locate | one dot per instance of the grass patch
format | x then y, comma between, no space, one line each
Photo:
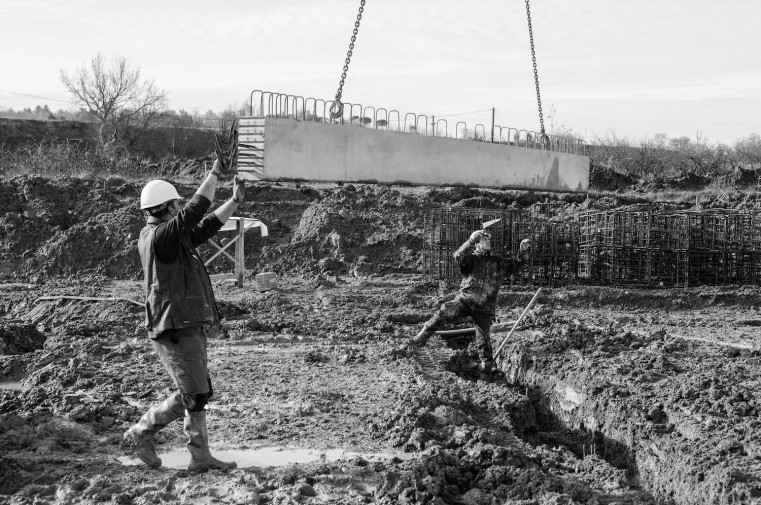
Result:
71,159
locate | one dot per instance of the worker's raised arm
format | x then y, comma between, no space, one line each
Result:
512,265
226,210
208,187
468,247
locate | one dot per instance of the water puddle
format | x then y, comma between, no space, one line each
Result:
11,385
265,457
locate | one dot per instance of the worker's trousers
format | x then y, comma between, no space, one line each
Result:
481,322
183,353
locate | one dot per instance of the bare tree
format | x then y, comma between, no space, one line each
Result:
749,151
125,104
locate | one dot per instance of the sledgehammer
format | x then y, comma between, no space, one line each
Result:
525,311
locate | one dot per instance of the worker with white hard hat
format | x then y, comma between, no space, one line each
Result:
179,306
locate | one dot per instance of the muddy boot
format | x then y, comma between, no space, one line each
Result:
422,337
486,371
198,444
140,436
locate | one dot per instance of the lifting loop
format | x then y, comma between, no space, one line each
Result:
336,110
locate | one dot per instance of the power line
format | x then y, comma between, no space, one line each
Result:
35,96
462,113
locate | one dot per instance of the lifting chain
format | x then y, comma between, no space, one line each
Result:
337,109
536,73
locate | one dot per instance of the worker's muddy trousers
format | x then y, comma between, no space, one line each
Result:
481,322
183,353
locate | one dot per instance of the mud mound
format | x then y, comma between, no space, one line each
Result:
105,244
19,338
35,210
739,178
359,230
605,179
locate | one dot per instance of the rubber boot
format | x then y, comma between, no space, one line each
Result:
486,370
198,444
141,434
422,337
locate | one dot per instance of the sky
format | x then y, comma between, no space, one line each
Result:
627,68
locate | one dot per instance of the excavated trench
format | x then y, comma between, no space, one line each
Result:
658,452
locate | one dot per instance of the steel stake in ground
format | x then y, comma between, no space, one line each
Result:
525,311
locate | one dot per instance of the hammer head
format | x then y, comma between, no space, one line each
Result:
489,223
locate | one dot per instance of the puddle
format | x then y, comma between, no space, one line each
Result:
265,457
11,385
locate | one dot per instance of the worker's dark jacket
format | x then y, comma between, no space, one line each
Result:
483,274
177,286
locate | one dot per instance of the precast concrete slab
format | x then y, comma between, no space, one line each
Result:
286,149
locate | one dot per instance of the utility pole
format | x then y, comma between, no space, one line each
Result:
492,125
433,125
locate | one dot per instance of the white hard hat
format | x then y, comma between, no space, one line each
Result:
157,192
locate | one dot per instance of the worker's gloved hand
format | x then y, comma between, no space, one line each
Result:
475,237
226,149
525,247
239,190
220,173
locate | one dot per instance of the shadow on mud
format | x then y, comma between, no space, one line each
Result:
551,430
548,428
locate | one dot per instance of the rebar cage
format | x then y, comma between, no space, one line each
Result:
651,247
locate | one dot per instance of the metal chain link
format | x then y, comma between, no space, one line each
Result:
536,72
336,110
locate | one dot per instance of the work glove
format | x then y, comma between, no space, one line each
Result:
221,174
475,237
239,190
525,246
226,149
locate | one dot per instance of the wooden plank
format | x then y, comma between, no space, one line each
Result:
239,258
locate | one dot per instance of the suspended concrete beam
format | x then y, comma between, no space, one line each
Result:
285,149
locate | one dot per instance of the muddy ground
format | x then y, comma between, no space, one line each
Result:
609,395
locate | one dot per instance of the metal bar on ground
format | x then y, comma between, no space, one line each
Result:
91,299
525,311
468,331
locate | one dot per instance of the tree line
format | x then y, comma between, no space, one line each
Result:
661,157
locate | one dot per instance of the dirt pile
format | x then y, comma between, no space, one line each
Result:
358,230
19,338
62,227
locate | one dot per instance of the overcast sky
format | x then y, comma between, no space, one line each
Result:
629,68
